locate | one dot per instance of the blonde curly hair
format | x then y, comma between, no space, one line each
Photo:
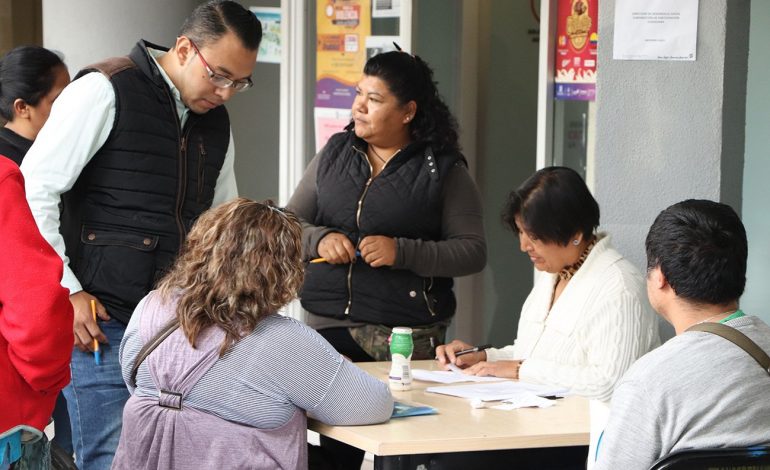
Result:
241,262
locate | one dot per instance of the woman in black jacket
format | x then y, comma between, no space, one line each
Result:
31,78
391,215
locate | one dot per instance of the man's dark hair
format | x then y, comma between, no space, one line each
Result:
553,205
212,20
700,246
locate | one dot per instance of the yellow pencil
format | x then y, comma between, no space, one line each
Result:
97,353
323,260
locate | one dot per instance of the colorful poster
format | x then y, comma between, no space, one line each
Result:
270,47
342,26
576,50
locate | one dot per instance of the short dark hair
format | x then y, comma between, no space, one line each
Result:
553,205
701,248
212,20
409,78
26,72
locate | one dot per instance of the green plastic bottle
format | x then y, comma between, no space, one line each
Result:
401,347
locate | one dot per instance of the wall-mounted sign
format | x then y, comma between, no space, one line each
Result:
270,46
655,30
576,50
342,26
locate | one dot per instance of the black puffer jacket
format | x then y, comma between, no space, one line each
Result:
404,200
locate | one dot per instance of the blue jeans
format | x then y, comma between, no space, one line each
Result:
95,399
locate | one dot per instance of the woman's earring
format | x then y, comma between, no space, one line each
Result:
576,242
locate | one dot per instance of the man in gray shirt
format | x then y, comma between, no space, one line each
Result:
698,390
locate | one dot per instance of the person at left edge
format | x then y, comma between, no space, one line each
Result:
31,78
142,146
35,337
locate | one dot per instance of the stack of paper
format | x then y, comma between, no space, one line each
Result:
449,376
498,391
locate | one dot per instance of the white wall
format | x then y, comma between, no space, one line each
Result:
756,214
87,31
506,138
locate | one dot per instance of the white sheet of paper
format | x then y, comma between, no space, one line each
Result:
655,30
449,376
524,400
386,8
497,391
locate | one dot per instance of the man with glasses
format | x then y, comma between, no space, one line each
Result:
135,149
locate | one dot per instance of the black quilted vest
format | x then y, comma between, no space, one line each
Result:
404,200
129,212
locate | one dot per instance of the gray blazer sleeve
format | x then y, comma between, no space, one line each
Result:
462,249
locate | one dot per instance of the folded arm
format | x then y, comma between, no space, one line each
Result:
36,313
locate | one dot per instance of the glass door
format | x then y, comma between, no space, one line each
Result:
567,88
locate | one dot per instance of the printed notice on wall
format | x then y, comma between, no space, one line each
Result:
655,29
386,8
270,46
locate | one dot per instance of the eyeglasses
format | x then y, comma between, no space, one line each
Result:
220,81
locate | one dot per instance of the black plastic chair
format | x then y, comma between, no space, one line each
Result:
745,458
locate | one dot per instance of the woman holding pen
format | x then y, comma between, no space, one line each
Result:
390,209
389,206
587,318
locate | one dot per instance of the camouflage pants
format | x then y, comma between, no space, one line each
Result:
374,339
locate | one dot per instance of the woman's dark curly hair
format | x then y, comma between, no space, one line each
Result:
409,78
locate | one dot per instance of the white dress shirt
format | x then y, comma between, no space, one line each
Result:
81,119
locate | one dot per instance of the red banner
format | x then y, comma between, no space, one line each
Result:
576,49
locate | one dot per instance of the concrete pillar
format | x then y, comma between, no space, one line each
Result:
668,131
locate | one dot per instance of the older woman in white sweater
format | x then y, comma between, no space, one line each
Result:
587,318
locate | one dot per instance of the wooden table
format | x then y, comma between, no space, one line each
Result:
458,428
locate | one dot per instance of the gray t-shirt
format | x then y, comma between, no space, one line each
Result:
696,391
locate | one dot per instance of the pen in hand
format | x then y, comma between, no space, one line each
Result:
473,349
97,353
323,260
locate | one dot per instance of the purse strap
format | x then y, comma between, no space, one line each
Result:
150,347
738,338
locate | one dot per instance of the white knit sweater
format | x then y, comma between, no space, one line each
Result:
600,324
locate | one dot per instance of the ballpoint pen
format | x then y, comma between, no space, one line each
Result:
473,349
97,353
